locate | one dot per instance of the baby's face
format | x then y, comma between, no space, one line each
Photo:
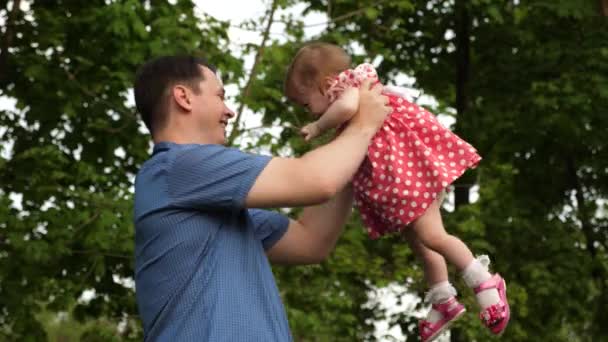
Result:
314,101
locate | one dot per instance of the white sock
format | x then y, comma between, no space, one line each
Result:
476,273
438,293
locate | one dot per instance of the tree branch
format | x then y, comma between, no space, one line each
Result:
345,15
247,89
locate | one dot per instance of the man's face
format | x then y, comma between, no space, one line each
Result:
209,111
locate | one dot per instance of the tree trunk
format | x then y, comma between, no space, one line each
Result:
7,40
463,27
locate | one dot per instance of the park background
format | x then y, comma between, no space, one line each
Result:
526,82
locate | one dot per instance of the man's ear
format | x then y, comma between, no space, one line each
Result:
182,97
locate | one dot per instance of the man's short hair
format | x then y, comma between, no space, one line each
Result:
156,77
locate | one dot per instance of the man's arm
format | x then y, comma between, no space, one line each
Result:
311,238
318,175
338,113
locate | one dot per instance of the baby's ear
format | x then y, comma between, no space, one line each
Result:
326,84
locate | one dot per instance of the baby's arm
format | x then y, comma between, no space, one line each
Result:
338,113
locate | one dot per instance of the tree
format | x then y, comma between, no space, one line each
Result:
76,145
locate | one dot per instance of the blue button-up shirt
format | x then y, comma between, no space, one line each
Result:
201,272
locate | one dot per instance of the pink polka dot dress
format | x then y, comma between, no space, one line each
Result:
410,160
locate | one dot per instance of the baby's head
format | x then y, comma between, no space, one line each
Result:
309,73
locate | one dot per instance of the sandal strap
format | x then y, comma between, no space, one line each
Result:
491,283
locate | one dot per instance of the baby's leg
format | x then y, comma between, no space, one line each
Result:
429,230
435,268
445,308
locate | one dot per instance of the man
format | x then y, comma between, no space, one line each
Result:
201,253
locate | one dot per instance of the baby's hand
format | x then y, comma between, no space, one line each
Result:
310,131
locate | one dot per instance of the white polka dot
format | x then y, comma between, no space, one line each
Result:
424,205
461,151
411,214
401,212
415,193
426,195
437,138
434,128
427,153
419,174
462,162
444,184
395,190
405,193
418,184
410,164
414,204
400,170
397,180
403,202
407,182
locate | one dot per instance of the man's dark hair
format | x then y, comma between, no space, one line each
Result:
156,76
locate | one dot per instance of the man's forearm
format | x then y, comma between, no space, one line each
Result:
337,161
326,221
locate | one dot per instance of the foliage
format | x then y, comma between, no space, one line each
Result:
535,89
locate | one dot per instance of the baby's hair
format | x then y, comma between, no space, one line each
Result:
311,64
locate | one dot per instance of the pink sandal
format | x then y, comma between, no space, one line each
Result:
495,317
451,311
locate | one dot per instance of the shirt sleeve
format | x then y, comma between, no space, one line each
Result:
213,177
351,78
269,226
